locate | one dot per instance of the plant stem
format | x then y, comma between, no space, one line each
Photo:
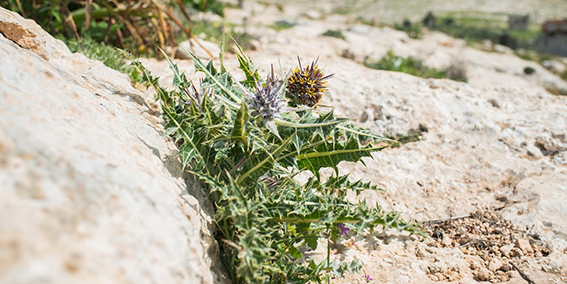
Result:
285,123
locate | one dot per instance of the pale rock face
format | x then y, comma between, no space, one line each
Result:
90,191
496,143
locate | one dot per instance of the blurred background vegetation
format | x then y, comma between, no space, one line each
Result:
140,26
95,27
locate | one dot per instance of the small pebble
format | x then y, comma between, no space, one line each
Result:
484,274
524,245
505,250
474,265
452,275
506,267
494,265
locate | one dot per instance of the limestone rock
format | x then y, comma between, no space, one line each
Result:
89,193
30,36
499,137
494,265
484,274
524,245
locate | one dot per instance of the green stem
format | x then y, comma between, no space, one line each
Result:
185,135
285,123
297,220
336,152
296,238
309,146
203,69
328,255
365,134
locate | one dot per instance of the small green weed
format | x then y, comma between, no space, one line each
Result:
365,21
409,65
122,23
413,135
556,91
541,58
412,30
477,28
457,71
529,70
212,31
246,145
282,25
335,33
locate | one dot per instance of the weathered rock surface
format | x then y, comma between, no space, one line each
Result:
497,143
88,191
90,195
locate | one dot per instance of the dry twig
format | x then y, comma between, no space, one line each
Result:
522,273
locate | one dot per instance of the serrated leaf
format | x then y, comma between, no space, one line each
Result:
238,132
294,252
179,79
247,66
339,185
311,243
199,66
329,155
260,163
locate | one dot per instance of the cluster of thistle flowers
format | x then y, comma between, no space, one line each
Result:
304,87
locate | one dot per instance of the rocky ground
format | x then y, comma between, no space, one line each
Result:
90,193
489,174
87,193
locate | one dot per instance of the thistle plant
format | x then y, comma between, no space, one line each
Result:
267,101
306,85
247,147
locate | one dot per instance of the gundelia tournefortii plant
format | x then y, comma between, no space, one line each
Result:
247,142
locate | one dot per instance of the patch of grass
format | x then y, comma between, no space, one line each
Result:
457,71
461,28
556,91
532,55
412,29
477,28
343,10
413,66
107,54
212,31
407,65
365,21
125,24
334,33
529,70
282,25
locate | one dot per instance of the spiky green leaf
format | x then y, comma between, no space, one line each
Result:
239,129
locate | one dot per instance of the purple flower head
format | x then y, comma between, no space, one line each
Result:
344,229
368,279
